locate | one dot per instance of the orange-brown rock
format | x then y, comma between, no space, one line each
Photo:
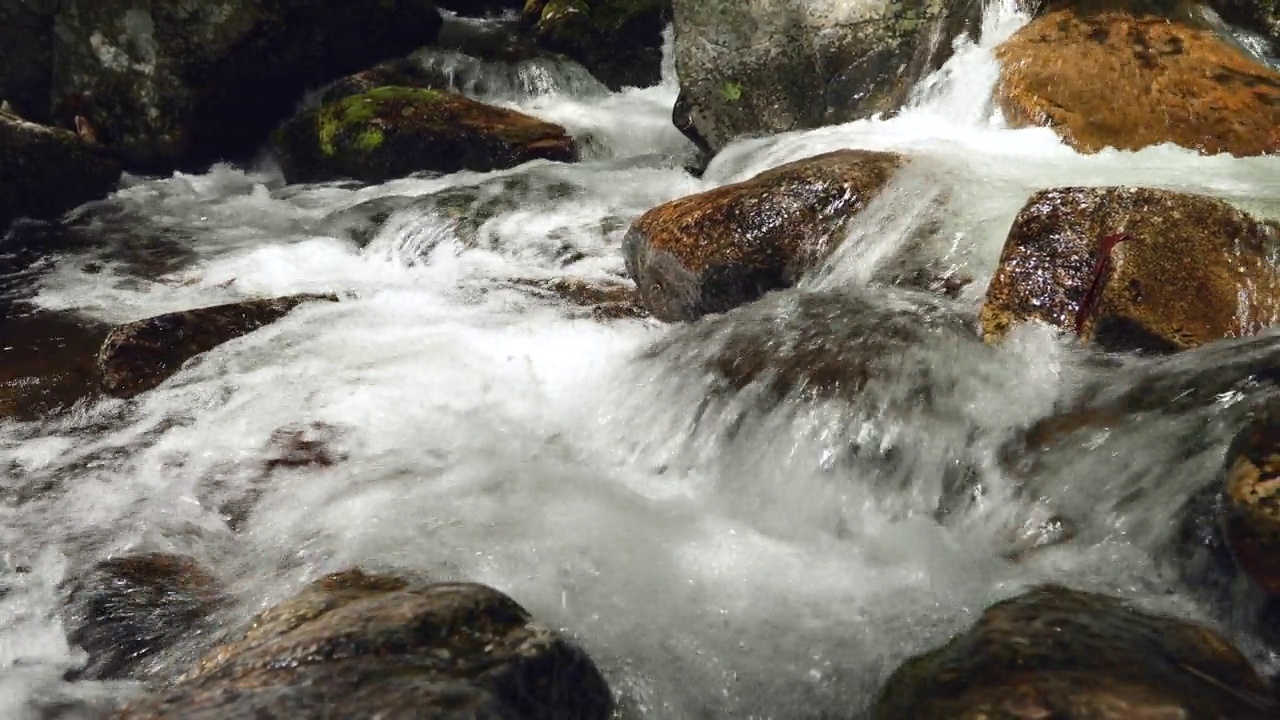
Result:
716,250
1131,79
1070,655
1136,269
1253,502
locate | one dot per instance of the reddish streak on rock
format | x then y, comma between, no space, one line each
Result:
1098,278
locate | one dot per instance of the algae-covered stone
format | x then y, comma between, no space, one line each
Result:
391,132
618,41
1136,269
174,83
716,250
1070,655
357,645
1168,79
45,171
755,67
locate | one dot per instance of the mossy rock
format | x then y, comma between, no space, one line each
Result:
392,132
618,41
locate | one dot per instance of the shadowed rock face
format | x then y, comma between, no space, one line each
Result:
138,356
358,645
126,610
754,67
1136,269
716,250
617,41
1060,653
45,172
1177,80
392,132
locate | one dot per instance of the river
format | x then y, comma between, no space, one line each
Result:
718,556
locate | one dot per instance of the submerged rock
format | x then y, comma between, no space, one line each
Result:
1168,80
126,610
754,68
359,645
716,250
45,172
183,83
1136,269
603,300
1060,653
138,356
392,132
1252,501
618,41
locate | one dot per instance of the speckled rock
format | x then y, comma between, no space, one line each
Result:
138,356
392,132
754,67
1180,83
1136,269
716,250
1252,495
179,82
618,41
1064,654
358,645
124,611
45,172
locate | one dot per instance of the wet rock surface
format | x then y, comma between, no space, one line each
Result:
716,250
47,362
1136,269
1251,516
125,611
753,68
138,356
45,172
618,41
360,645
391,132
601,300
1061,653
177,84
1180,81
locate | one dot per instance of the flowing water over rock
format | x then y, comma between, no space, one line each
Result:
721,548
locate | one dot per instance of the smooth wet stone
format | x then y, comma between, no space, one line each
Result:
359,645
1136,269
138,356
617,41
47,362
604,301
391,132
1251,516
1069,655
716,250
125,611
1168,77
755,68
45,171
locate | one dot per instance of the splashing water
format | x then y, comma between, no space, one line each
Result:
722,553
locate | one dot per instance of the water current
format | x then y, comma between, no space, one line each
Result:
720,553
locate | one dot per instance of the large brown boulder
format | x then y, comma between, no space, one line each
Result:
45,172
1070,655
617,41
392,132
1136,269
125,611
138,356
358,645
183,83
716,250
758,67
1133,78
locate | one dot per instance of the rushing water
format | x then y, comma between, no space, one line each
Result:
720,554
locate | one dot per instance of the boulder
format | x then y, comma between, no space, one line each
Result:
46,362
716,250
1168,79
176,84
138,356
1060,653
360,645
45,172
125,611
392,132
767,66
617,41
1252,501
26,55
1136,269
